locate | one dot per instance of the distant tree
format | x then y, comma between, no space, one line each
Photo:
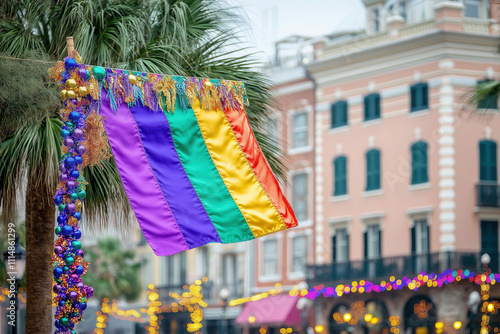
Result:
113,272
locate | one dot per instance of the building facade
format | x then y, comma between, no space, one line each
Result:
406,176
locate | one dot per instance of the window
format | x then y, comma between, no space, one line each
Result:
340,167
375,20
373,169
299,254
175,269
372,242
270,255
372,106
300,130
419,96
300,195
487,160
340,242
490,95
229,269
472,8
419,163
420,237
339,114
489,242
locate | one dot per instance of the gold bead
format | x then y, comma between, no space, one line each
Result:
132,79
208,84
83,91
70,83
63,94
70,94
78,205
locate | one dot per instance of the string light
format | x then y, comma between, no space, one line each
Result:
431,280
271,292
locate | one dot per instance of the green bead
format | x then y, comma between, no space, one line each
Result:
58,230
76,244
61,207
69,260
64,321
82,194
70,125
73,196
99,73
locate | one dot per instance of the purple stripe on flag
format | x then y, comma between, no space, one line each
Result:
187,208
146,198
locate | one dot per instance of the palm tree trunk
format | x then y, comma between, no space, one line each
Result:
40,222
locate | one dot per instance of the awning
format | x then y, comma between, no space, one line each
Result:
280,310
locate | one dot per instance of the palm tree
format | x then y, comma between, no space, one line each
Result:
113,273
182,37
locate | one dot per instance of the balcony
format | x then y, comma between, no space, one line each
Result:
209,290
399,266
487,195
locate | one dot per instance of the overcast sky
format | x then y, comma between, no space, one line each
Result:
273,20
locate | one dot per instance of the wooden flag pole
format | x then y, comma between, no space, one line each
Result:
69,44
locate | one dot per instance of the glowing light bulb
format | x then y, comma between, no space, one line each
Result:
457,324
347,317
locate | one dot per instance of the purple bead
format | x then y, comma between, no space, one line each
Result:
62,168
69,142
58,250
82,73
73,295
81,149
71,207
57,288
80,286
63,177
70,184
78,133
79,253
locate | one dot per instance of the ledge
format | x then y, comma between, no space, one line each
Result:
340,129
419,186
419,113
371,193
340,198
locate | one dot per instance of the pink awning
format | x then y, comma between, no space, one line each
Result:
280,310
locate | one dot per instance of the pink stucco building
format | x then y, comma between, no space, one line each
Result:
405,173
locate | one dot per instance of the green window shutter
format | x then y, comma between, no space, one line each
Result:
413,98
377,106
344,113
334,248
487,160
373,169
367,107
365,238
413,240
339,114
419,163
425,96
340,175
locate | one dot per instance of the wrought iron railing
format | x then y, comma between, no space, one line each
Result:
398,266
488,195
